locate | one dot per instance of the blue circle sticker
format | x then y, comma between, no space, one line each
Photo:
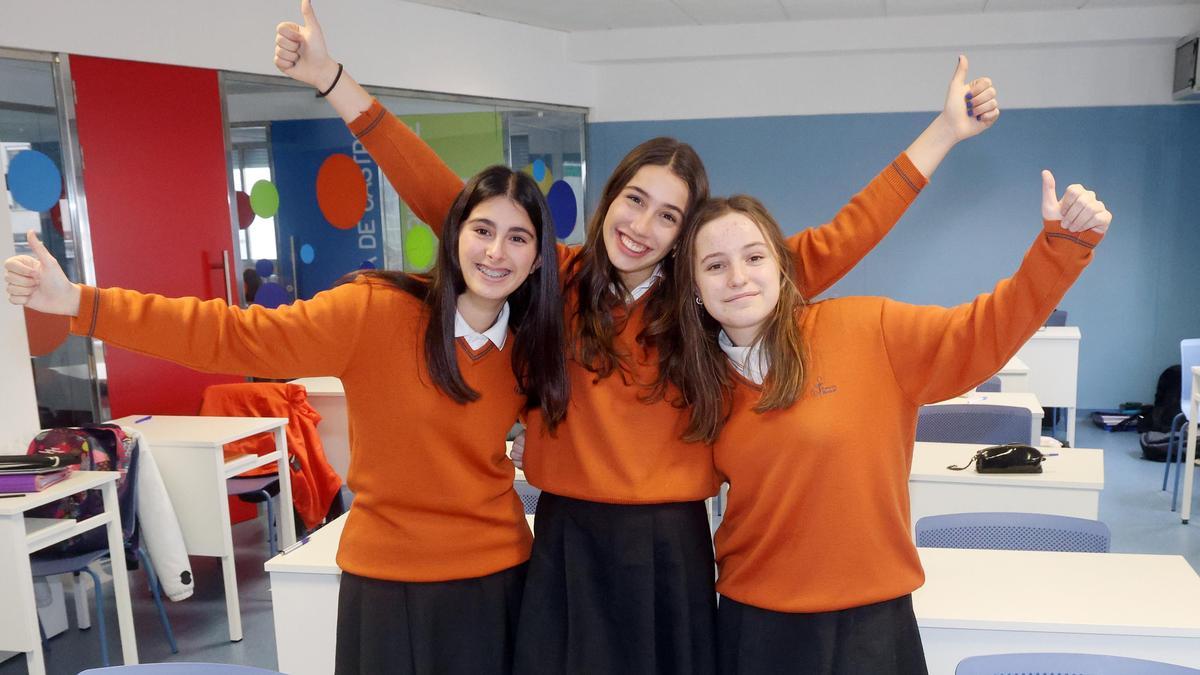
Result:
307,254
563,210
35,182
265,268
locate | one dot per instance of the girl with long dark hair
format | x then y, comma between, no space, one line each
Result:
816,558
621,574
436,370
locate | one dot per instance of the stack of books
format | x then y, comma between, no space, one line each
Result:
30,473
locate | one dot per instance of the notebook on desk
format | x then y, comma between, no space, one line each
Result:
30,481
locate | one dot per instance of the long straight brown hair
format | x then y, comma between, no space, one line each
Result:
698,367
535,308
594,285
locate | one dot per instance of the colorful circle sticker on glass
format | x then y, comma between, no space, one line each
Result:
271,295
35,182
245,211
265,268
307,254
561,200
264,199
539,170
341,191
541,174
419,246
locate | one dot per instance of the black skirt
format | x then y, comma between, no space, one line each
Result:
463,626
878,639
617,588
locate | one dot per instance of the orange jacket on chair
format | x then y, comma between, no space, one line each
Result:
314,482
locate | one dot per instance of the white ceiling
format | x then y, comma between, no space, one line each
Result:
585,15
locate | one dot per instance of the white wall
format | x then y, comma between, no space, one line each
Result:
18,413
384,42
1037,59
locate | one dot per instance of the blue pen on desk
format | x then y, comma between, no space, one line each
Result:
293,547
142,419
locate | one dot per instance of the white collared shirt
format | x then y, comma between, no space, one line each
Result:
751,362
640,290
495,334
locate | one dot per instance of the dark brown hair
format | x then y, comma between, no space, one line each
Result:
594,285
535,308
697,366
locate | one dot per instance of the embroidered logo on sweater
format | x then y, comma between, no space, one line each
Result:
819,389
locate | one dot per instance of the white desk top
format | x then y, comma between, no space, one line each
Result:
80,480
1019,399
1073,468
1057,333
1099,593
321,386
184,430
1015,366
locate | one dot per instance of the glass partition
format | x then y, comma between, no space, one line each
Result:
292,163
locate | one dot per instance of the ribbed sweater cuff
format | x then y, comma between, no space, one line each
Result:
89,308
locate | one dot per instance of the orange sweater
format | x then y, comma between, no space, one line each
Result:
612,447
434,496
818,512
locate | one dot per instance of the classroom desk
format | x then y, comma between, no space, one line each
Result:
1069,484
1053,358
1189,464
985,602
1019,399
327,397
1014,376
188,451
304,594
20,536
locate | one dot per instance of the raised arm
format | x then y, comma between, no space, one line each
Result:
825,254
937,353
419,176
307,338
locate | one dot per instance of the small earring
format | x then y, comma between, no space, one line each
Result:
699,301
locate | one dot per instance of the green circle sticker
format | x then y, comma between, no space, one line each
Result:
419,245
264,199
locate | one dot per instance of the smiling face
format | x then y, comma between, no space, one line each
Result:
497,249
643,222
737,275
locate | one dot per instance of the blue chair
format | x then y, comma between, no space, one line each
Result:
970,423
1057,318
1013,532
181,669
1074,664
528,494
257,489
50,564
989,385
1189,355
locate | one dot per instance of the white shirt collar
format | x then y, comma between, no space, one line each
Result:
495,334
640,290
751,362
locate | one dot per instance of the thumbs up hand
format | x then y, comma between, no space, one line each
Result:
971,107
300,51
38,282
1079,210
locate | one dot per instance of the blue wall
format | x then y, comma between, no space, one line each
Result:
973,222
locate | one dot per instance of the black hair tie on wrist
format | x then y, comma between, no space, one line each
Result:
323,94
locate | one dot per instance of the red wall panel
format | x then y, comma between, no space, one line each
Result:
155,177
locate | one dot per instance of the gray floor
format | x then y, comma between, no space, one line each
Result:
1132,505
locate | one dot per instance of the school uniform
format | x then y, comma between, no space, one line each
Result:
435,546
816,557
621,574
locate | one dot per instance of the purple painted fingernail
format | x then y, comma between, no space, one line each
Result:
968,96
979,118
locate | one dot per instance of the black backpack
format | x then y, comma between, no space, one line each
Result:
1166,401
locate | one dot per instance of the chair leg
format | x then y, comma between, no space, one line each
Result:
100,614
152,579
1180,458
271,541
1176,423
